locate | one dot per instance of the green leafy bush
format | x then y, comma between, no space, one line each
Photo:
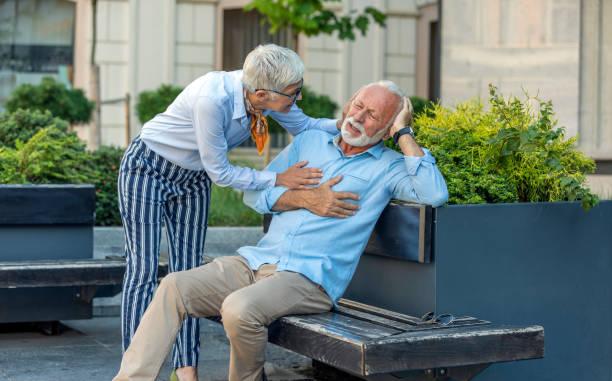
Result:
105,165
50,156
68,104
313,104
23,124
227,209
419,105
509,153
151,103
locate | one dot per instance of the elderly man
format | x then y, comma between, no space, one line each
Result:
306,260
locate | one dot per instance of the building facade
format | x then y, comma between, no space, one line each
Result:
448,50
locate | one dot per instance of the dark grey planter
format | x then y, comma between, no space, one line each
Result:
530,263
45,222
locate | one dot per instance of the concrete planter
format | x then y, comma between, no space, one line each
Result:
45,222
530,263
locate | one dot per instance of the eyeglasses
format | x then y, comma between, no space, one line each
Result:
442,319
293,97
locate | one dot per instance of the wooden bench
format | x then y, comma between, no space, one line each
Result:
363,341
47,270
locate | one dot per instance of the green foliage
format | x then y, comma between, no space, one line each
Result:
313,104
509,153
309,17
227,209
23,124
105,166
68,104
420,105
151,103
50,156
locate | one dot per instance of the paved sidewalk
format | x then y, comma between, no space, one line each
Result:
91,350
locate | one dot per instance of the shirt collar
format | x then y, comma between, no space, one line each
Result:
375,150
239,108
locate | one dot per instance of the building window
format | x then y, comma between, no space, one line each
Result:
36,40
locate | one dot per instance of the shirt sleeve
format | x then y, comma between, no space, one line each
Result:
209,124
262,201
417,179
295,121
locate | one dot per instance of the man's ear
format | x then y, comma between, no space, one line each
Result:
387,134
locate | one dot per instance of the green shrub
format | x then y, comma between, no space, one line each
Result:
420,105
105,164
506,154
227,209
151,103
68,104
23,124
313,104
51,156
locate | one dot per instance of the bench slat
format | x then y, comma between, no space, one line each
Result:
453,347
61,273
365,344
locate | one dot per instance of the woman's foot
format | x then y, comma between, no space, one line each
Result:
187,373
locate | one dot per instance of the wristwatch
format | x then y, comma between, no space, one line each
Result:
403,131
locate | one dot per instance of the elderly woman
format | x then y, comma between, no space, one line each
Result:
167,170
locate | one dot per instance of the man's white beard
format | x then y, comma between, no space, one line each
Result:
363,139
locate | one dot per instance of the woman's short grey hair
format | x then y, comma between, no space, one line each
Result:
394,89
271,67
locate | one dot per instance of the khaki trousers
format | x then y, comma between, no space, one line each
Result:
248,301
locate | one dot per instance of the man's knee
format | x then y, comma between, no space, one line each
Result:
239,315
169,285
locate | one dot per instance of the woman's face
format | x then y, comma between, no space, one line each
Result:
284,99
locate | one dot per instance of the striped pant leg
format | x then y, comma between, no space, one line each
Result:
186,216
140,204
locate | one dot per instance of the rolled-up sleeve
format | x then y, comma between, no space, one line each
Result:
262,201
295,122
417,179
209,121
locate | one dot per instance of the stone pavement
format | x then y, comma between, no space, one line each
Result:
91,349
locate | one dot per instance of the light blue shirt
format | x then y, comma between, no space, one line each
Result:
208,119
326,250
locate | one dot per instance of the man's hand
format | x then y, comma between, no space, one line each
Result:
322,200
403,119
328,203
297,177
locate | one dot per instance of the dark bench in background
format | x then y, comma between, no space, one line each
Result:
47,270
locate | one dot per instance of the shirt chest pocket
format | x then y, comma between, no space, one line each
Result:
353,183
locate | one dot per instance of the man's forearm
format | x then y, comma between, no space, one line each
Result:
293,199
409,146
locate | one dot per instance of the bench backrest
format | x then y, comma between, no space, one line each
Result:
396,270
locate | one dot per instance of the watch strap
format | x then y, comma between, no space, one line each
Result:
403,131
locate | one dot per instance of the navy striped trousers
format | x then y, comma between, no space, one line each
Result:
152,188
